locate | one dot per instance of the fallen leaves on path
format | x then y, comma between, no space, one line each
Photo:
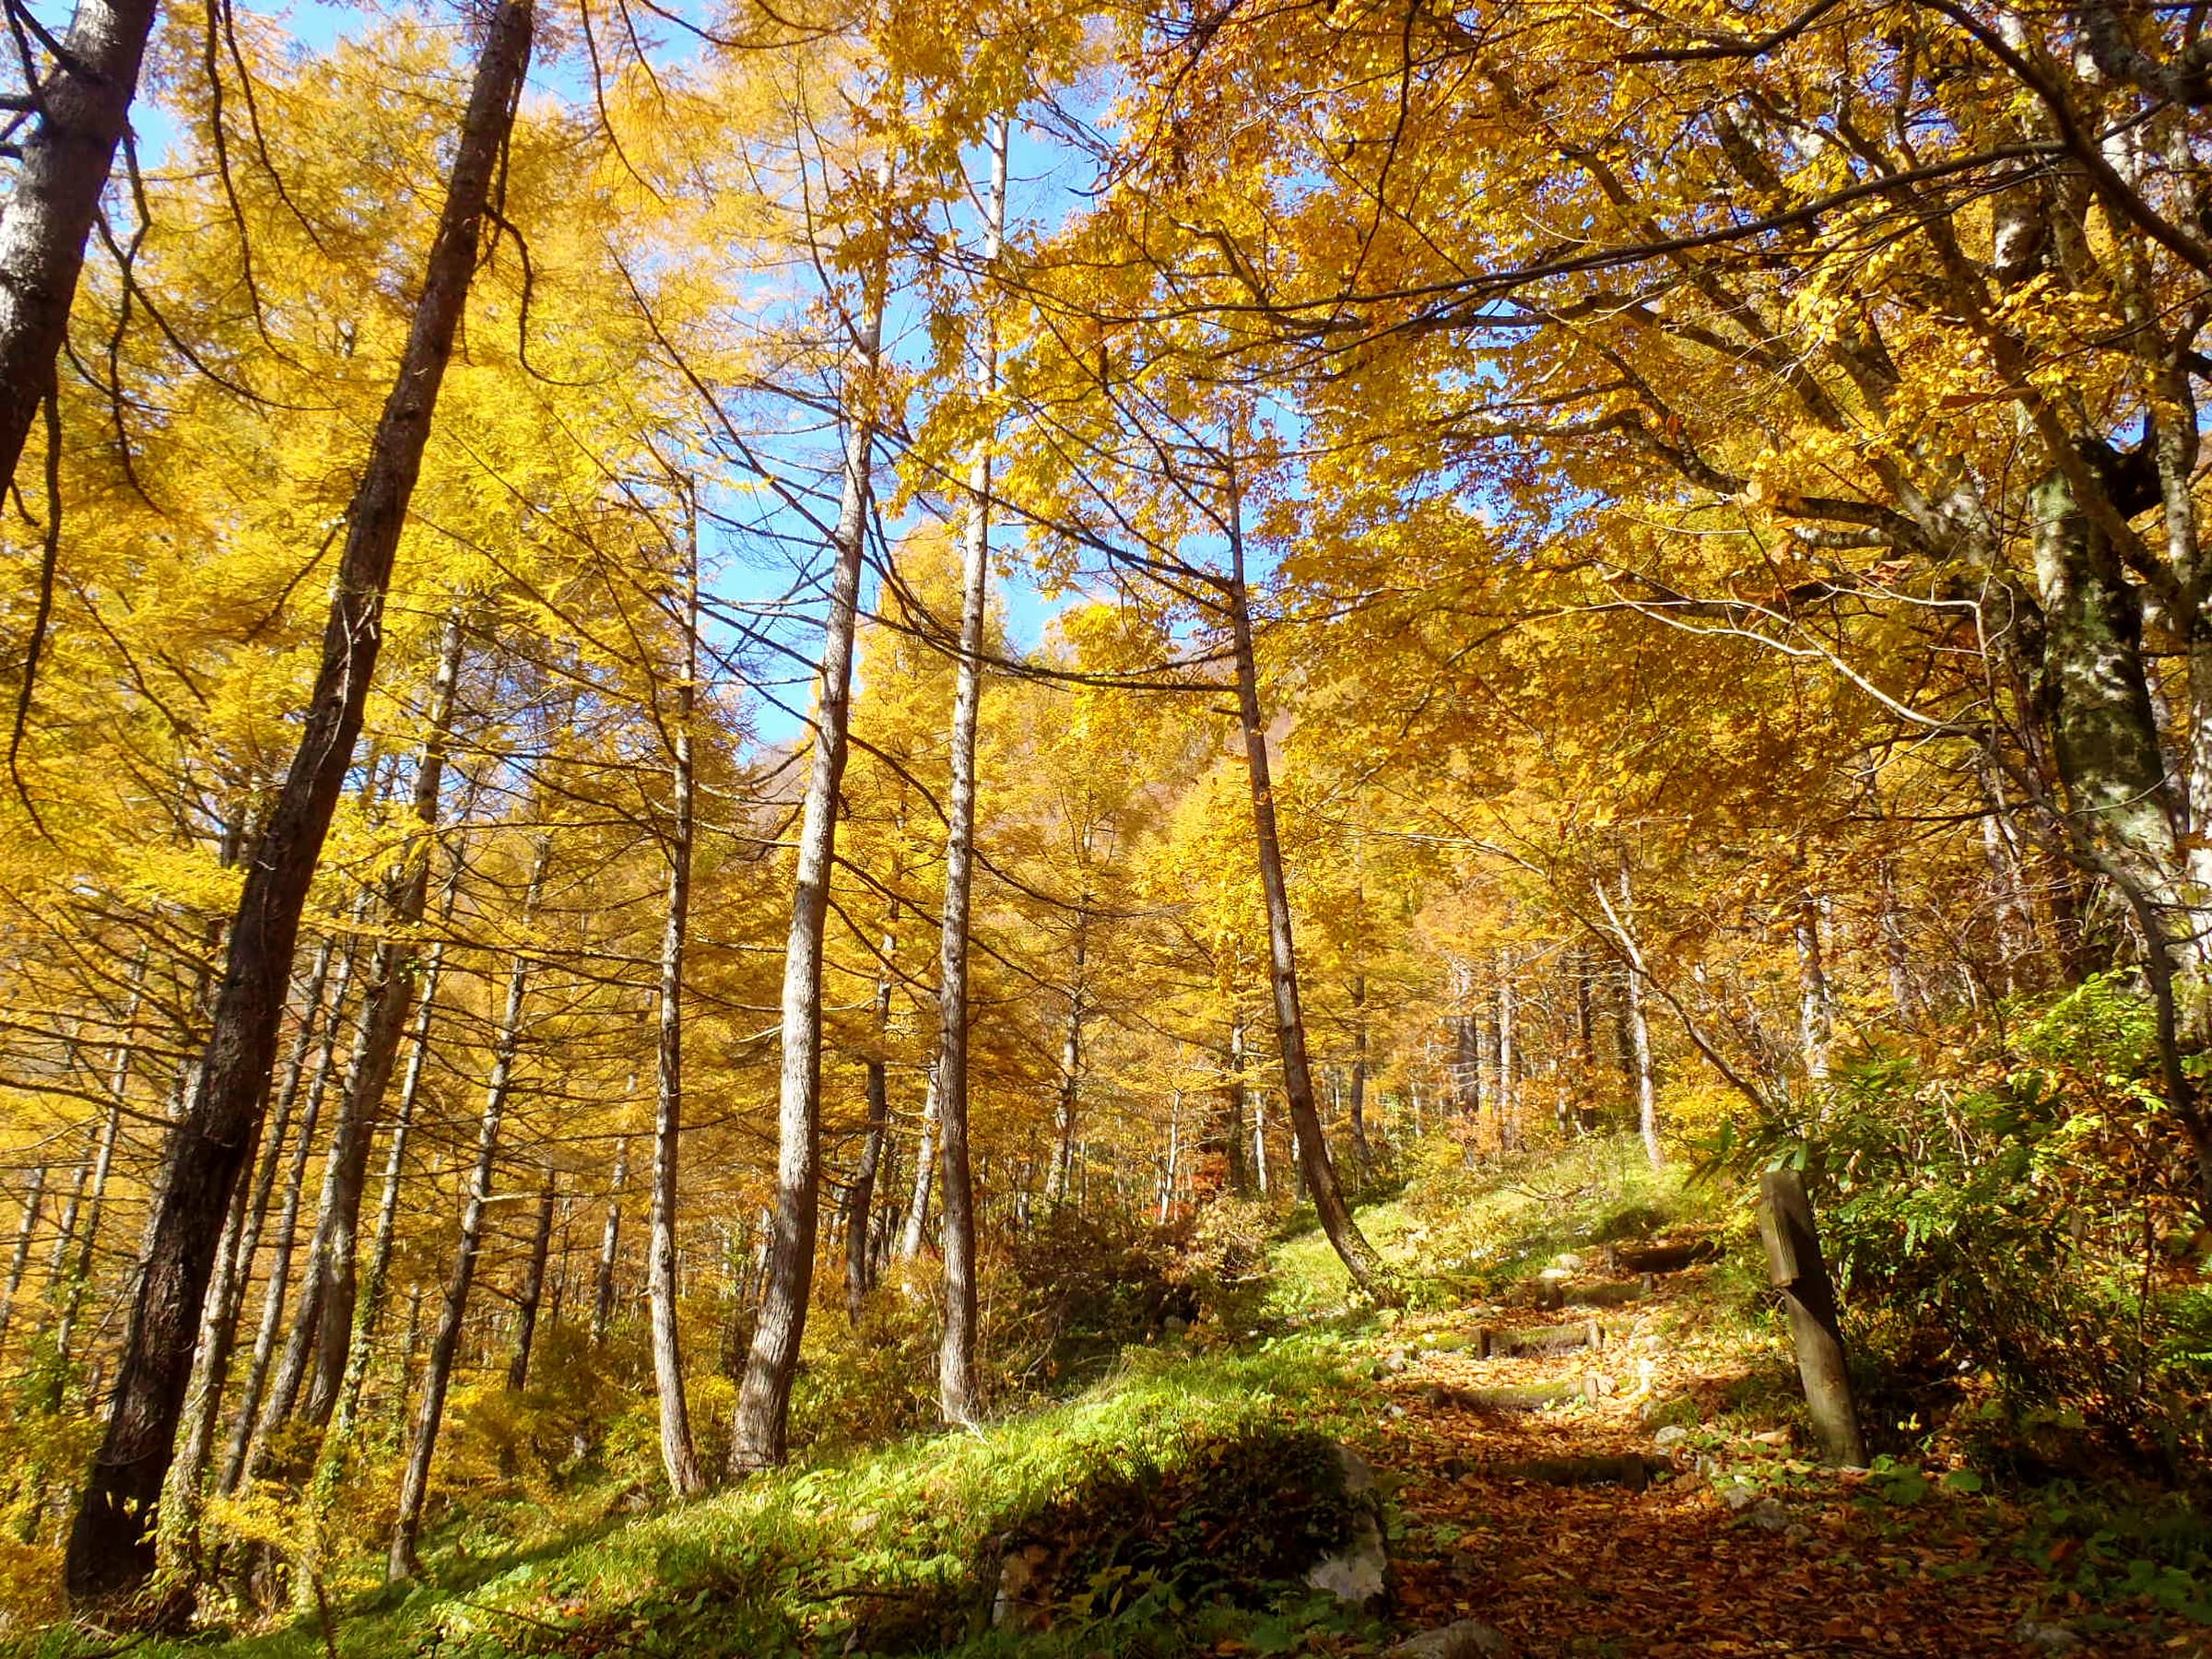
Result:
1819,1564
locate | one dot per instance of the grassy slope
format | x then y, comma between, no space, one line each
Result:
801,1552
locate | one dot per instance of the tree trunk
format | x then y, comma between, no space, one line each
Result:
610,1248
1362,1154
1794,1262
34,1194
677,1454
959,1391
912,1236
234,1271
111,1545
333,1260
860,1207
1071,1066
247,1423
1816,1025
414,1483
533,1295
1358,1256
764,1400
84,104
1506,1105
1640,1042
368,1306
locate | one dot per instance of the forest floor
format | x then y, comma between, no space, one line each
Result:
1647,1498
1736,1544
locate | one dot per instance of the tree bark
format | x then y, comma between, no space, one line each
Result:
414,1483
84,103
916,1229
860,1207
610,1248
234,1270
1785,1223
34,1194
764,1398
1640,1042
532,1298
1362,1154
959,1388
677,1457
1358,1256
110,1544
239,1464
333,1258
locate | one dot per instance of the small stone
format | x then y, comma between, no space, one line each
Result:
2047,1638
1735,1495
1770,1514
1673,1434
1468,1638
1175,1324
1393,1411
1567,1260
1359,1573
1797,1532
1016,1602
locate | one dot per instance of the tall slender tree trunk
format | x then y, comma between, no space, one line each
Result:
111,1546
531,1300
1355,1097
764,1398
1815,1022
1358,1256
916,1229
333,1258
368,1307
34,1196
69,1274
248,1422
861,1206
1506,1107
233,1274
959,1390
1072,1056
610,1248
82,106
677,1457
1640,1039
415,1482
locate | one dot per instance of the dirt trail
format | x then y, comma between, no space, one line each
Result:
1816,1563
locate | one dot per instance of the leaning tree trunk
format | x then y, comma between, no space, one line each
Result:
677,1456
414,1483
959,1392
764,1397
83,107
111,1548
1358,1256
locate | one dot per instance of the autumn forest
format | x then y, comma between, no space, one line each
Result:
747,742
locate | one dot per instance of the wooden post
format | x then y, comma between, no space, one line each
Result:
1797,1270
